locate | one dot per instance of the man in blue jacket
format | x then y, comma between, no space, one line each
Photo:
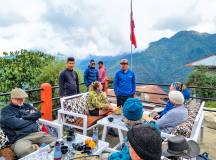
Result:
68,80
124,83
19,123
91,74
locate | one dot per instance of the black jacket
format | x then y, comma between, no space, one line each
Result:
17,121
68,83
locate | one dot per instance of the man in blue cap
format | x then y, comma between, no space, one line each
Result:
124,83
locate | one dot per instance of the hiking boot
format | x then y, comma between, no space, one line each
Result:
111,132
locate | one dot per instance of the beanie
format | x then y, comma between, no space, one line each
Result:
146,142
133,109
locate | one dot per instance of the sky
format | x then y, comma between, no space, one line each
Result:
100,27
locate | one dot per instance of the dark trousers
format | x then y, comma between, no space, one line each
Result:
122,99
103,84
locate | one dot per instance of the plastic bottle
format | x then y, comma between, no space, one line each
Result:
95,135
57,151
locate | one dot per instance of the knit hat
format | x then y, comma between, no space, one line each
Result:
18,93
146,142
133,109
176,97
92,61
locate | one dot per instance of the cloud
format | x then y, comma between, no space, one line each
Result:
11,19
101,27
178,23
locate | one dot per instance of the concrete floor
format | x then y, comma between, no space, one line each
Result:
209,142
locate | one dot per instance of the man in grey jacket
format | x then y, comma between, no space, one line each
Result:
175,116
68,80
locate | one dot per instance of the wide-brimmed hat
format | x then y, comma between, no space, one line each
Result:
18,93
176,97
178,146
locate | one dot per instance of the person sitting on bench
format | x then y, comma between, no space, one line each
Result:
97,101
19,123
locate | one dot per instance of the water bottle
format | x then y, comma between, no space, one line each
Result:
95,135
57,151
43,152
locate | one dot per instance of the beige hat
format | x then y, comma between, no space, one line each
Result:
176,97
18,93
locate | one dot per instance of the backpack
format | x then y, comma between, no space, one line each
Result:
203,156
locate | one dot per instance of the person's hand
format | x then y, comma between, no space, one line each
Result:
147,118
157,117
32,111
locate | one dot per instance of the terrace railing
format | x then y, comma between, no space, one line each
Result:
46,97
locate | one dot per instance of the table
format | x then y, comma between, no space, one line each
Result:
42,154
118,124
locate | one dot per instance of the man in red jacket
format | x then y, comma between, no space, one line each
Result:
102,74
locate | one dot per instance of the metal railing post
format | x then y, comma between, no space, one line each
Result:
46,98
106,86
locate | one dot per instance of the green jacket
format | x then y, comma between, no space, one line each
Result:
97,100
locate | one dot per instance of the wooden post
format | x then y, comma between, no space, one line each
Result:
46,98
106,86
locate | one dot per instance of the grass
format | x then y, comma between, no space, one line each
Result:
210,104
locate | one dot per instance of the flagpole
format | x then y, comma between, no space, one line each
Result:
131,57
131,37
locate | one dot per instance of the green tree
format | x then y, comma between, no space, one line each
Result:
28,70
50,74
20,69
200,76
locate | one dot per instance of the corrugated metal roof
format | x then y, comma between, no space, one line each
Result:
209,61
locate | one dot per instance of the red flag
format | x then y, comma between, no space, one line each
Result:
132,25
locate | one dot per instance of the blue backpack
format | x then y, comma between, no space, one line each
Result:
203,156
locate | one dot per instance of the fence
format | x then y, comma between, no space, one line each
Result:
46,96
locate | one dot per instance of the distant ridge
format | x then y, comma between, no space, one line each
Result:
164,60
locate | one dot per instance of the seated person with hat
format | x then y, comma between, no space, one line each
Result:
175,116
175,86
97,101
178,86
178,147
144,143
133,112
19,123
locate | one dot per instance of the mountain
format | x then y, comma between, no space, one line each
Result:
164,60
